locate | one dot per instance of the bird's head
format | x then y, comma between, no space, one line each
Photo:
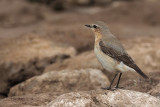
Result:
98,26
94,27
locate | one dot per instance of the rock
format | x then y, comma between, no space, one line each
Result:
30,100
155,91
94,98
118,98
62,81
84,60
26,56
1,97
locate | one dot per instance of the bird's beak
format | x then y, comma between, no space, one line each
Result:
88,26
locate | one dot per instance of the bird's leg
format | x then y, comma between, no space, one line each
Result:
108,88
119,80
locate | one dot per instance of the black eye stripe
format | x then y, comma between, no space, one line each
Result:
94,26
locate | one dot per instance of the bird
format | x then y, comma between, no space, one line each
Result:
111,53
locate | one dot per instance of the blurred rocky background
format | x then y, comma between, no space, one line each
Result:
47,58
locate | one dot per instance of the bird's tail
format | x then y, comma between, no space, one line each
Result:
144,75
138,70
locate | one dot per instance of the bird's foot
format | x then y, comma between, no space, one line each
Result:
118,87
112,89
107,88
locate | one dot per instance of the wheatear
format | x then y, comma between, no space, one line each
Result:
110,52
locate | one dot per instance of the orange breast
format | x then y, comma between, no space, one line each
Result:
98,37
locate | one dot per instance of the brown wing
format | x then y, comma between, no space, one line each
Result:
121,57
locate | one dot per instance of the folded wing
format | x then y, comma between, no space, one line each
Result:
121,57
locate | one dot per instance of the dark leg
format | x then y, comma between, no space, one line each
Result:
108,88
119,80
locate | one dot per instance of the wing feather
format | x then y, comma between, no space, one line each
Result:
119,56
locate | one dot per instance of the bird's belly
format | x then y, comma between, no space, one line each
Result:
107,62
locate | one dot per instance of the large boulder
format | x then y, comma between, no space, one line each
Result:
94,98
26,56
62,81
118,98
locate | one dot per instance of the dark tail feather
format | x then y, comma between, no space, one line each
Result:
143,75
138,70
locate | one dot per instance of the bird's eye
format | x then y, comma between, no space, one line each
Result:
95,26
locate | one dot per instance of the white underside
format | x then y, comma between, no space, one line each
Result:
109,63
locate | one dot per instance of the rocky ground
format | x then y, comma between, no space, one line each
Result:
47,56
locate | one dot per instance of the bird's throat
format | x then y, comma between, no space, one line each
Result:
98,37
